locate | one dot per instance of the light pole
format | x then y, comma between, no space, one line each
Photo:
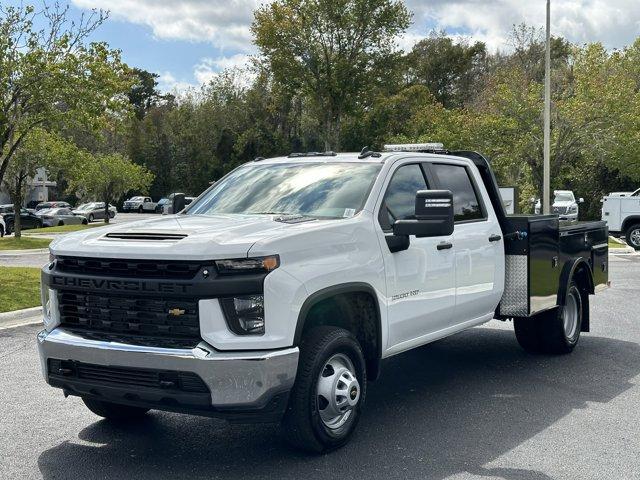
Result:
546,190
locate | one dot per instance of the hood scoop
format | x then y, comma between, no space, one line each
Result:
146,236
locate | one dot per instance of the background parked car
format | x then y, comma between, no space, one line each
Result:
47,205
52,217
3,226
168,207
139,204
564,205
28,220
161,203
94,211
7,208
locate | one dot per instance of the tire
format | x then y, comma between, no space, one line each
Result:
1,231
555,332
60,223
90,217
9,230
632,236
332,354
85,221
114,411
112,215
140,210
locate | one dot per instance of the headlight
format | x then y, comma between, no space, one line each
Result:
248,265
244,314
50,310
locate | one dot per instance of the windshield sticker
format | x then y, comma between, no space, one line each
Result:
349,212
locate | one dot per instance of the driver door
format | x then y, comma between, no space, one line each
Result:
421,279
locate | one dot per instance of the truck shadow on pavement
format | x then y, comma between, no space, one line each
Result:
444,409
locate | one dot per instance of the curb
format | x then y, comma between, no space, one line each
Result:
20,314
18,253
19,318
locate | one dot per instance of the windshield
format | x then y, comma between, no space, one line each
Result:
564,197
332,190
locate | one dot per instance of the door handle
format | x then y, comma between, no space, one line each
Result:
444,246
495,238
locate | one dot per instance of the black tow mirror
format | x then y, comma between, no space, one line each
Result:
178,203
434,215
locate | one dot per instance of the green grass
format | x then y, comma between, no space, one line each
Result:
24,243
19,288
613,244
62,229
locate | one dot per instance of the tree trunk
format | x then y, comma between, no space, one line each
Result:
106,211
17,196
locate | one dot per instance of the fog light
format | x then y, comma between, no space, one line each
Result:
50,309
244,314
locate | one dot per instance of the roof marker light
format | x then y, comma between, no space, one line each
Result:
414,147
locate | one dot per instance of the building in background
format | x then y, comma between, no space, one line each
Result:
39,189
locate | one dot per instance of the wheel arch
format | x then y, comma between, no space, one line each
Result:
373,354
629,221
580,270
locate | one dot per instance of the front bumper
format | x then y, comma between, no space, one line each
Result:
243,386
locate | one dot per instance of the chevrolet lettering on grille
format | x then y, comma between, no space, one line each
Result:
120,285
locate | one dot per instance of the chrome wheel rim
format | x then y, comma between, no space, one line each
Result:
570,316
338,391
635,237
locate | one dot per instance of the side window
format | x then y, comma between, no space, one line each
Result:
465,201
400,198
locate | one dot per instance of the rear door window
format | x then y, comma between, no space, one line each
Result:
466,203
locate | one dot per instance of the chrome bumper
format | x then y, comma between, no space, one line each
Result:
245,380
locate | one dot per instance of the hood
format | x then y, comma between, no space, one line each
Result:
188,237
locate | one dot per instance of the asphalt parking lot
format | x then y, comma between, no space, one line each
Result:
468,407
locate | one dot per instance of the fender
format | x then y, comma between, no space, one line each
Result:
351,287
568,271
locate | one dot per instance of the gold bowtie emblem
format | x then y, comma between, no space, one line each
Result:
176,312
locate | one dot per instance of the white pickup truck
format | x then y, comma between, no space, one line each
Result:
139,204
621,212
276,295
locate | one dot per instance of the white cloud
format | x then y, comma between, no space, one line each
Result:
226,23
613,22
208,68
167,82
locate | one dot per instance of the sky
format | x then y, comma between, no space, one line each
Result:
187,42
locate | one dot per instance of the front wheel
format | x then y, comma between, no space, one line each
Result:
632,236
330,387
114,411
90,217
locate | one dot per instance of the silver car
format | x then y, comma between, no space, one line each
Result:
55,217
94,211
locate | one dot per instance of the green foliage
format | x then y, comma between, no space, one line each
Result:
452,71
51,77
330,51
109,176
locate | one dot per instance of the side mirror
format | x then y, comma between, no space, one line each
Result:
178,202
581,200
434,215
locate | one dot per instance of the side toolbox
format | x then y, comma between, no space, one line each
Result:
532,265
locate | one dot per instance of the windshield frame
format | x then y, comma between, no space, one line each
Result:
365,198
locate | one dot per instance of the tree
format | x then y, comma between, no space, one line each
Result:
52,77
331,51
41,150
143,93
107,177
452,71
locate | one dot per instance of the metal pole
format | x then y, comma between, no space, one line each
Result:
546,189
